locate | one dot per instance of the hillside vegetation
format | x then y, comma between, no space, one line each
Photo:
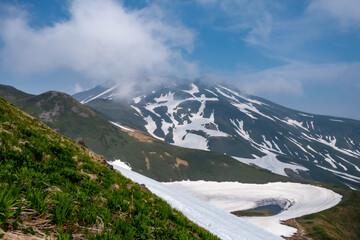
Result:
339,222
52,187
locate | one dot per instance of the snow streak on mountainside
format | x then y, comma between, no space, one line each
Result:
251,129
219,222
95,93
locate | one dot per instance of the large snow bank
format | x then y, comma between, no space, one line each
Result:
215,220
298,200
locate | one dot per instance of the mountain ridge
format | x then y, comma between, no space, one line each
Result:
221,119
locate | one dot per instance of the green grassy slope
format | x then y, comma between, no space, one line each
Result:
153,158
52,186
339,222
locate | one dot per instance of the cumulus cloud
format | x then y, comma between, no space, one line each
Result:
102,41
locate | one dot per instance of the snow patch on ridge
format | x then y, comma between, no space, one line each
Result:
243,107
305,115
194,89
356,167
294,123
239,128
151,126
191,133
122,127
211,92
240,96
336,120
137,100
342,175
331,143
99,95
270,162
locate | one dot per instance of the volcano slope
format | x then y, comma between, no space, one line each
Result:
251,129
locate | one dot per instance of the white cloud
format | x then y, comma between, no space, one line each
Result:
346,12
101,40
291,78
77,88
276,27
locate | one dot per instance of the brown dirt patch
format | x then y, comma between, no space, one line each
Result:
91,176
300,234
140,136
15,148
38,224
97,157
181,162
22,141
115,186
53,189
19,235
147,163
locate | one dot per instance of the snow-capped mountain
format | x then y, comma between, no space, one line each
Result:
252,130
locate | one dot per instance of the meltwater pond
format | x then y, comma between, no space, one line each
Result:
265,210
273,209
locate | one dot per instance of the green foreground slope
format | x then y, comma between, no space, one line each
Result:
53,187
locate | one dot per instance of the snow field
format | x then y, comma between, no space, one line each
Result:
297,200
217,221
181,135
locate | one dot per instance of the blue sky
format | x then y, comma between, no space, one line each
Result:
301,54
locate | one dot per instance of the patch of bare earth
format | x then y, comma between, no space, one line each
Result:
147,163
300,234
181,162
38,226
19,235
96,157
91,176
140,136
